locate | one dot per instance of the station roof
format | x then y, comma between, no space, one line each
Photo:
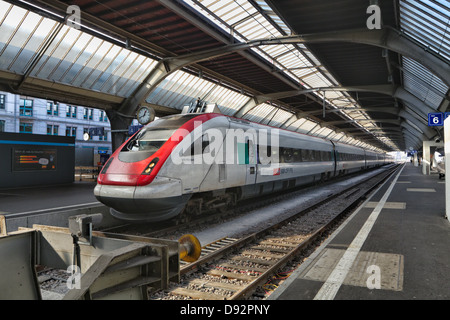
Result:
317,70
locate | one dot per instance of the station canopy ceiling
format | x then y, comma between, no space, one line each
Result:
311,66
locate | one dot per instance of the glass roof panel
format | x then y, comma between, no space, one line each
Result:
259,113
428,22
10,18
296,124
279,118
306,126
182,88
135,74
73,57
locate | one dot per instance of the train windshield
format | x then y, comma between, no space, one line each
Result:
150,140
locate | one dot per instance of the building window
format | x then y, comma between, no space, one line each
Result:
71,111
71,131
52,130
103,116
26,107
88,114
2,101
2,125
26,127
52,108
104,137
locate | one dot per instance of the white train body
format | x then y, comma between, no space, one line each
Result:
212,161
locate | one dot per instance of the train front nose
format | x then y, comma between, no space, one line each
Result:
161,200
134,185
119,197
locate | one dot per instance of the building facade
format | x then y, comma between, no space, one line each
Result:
23,114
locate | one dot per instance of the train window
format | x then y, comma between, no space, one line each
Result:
297,154
311,155
205,143
264,153
287,155
321,156
304,155
195,146
292,155
275,153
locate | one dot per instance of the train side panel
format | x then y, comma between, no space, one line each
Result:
349,158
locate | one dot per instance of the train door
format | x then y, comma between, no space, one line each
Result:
251,159
242,160
334,158
246,153
365,159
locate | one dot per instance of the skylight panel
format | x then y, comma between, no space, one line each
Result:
280,117
428,22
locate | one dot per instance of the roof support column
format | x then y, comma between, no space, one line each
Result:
447,165
426,158
161,70
119,127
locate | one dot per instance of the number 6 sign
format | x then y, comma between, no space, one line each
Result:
436,119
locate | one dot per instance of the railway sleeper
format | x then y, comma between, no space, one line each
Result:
214,284
279,244
231,275
255,260
198,295
271,249
262,254
243,268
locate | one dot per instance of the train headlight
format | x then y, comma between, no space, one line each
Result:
150,166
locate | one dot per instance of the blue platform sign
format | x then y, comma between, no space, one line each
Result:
97,131
435,119
133,129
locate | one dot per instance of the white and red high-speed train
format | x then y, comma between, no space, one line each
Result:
195,162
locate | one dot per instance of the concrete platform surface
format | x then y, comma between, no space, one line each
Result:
47,197
395,246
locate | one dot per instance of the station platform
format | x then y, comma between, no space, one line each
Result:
395,246
44,198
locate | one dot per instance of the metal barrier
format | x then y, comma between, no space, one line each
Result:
86,173
103,266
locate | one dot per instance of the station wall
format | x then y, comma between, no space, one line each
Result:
33,159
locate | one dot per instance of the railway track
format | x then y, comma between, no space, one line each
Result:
233,269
